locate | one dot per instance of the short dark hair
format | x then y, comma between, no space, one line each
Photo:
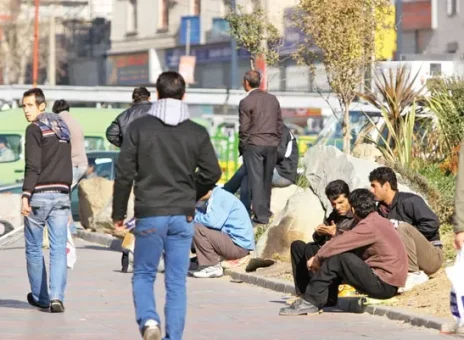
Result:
60,106
383,175
3,140
170,84
37,93
253,78
336,188
363,202
140,94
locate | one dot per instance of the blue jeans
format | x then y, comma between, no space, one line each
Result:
153,235
240,181
50,209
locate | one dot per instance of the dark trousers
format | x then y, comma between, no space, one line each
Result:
240,181
260,162
349,268
300,253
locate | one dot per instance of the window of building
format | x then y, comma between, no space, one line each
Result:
10,148
196,7
164,14
131,16
451,7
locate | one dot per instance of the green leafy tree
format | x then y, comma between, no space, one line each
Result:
254,32
341,34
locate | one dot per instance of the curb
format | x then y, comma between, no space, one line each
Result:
350,305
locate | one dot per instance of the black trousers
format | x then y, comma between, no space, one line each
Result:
349,268
300,253
260,162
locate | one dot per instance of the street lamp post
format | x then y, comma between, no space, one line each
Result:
35,60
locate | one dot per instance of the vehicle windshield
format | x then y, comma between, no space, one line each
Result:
100,167
94,143
10,148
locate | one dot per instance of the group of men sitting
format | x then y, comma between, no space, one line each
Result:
380,241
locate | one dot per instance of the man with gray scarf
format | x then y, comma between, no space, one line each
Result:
165,154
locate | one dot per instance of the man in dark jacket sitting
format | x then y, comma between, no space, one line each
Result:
416,222
340,220
141,106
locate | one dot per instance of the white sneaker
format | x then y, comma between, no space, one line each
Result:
151,331
414,279
209,272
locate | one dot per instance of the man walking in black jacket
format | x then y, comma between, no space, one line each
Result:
165,154
260,132
141,105
416,222
45,200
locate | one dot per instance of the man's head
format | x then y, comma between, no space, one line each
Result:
33,104
251,80
60,106
338,192
362,203
91,168
383,184
170,84
203,191
2,142
140,94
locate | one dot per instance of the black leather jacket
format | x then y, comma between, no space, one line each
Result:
118,127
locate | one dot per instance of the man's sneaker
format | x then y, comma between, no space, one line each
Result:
56,306
414,279
151,331
209,272
34,303
235,263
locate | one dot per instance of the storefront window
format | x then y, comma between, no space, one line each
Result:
10,148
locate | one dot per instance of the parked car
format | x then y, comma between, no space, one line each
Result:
103,164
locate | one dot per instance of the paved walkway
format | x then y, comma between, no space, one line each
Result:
99,306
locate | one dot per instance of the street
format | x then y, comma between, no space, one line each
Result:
99,306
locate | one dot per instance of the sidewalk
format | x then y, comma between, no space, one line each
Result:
99,306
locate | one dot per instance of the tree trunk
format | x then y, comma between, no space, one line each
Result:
346,130
252,63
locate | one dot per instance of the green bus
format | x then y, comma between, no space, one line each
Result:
13,126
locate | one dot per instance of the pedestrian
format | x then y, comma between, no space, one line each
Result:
260,132
141,105
78,156
45,200
459,203
163,155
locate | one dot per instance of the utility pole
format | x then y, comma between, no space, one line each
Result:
35,60
187,42
399,28
233,59
52,47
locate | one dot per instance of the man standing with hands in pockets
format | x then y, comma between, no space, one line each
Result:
165,154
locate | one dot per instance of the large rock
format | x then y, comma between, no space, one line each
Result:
297,221
324,164
280,196
367,151
95,204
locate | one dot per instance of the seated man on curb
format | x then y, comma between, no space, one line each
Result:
416,222
223,230
285,171
340,220
370,257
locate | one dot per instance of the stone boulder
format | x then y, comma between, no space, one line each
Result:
297,221
324,164
367,151
280,196
95,205
10,212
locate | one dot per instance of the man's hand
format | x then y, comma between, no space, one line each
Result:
26,207
118,225
459,240
329,230
313,264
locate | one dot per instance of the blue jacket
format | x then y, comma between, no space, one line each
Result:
226,213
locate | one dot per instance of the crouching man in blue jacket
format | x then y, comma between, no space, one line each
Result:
223,231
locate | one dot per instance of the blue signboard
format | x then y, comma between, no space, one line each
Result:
204,54
194,22
220,29
293,35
